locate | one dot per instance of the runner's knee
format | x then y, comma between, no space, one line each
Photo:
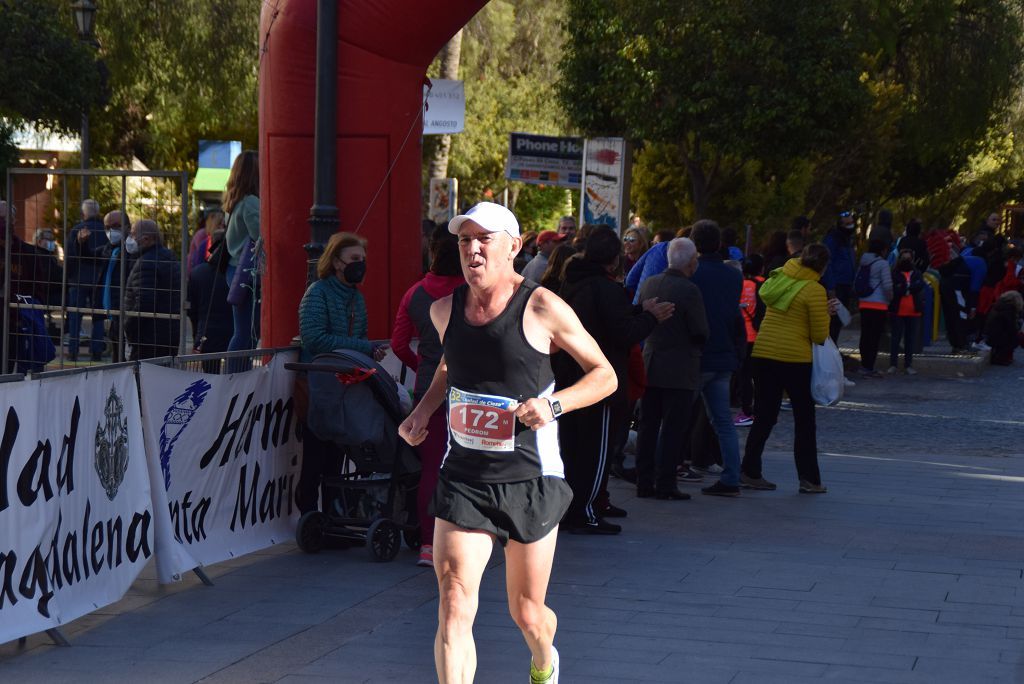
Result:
457,605
530,616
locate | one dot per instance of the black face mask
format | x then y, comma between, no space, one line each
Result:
354,272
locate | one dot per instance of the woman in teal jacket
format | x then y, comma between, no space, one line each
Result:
332,315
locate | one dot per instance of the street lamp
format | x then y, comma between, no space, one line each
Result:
85,17
84,12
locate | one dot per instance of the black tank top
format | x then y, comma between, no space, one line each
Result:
491,368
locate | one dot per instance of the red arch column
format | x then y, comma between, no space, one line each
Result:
384,49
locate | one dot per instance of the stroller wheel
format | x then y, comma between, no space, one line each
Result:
309,534
412,538
383,540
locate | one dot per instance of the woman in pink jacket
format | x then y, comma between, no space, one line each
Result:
413,320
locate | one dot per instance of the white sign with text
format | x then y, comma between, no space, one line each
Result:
224,458
76,522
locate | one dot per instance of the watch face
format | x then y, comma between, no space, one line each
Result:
556,408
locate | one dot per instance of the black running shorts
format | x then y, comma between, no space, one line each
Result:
522,511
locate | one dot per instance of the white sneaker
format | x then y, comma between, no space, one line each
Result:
553,677
910,371
847,382
893,370
981,346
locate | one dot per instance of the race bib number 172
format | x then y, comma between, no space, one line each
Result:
482,421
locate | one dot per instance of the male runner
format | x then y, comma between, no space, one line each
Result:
502,478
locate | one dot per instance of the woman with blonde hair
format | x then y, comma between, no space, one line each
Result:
332,315
634,244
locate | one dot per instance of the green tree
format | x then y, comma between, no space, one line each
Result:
941,73
955,67
725,82
180,71
48,76
509,62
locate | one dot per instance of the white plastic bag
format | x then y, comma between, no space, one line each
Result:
827,380
844,315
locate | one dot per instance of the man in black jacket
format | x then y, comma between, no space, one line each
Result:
82,264
587,435
153,287
672,357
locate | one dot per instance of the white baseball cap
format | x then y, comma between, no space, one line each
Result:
492,217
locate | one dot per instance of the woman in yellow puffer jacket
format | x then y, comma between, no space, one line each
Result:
797,316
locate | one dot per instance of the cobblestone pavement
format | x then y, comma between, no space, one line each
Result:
908,570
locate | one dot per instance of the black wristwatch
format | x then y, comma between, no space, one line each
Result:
556,408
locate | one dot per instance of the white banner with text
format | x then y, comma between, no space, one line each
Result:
224,458
76,519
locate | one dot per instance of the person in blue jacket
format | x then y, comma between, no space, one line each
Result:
651,263
720,286
838,277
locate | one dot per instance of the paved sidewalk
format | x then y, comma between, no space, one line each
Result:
908,570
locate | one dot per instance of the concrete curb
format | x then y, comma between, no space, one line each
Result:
931,364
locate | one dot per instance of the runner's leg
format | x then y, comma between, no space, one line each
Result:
527,571
460,557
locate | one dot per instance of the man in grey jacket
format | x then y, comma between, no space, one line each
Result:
672,360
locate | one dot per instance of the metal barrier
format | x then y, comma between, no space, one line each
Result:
47,309
216,363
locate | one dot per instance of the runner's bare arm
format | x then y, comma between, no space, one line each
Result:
551,322
414,428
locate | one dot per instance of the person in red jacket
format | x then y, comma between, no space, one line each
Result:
413,320
752,309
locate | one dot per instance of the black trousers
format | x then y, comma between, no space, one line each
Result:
872,325
903,326
771,379
745,379
956,331
320,459
584,437
701,446
664,426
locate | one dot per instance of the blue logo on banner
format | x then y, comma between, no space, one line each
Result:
176,419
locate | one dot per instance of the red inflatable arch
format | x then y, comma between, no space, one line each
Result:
384,49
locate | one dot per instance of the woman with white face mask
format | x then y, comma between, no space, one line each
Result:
111,259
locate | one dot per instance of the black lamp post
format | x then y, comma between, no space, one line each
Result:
323,215
84,12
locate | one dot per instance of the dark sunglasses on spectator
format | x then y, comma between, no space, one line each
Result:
629,239
845,214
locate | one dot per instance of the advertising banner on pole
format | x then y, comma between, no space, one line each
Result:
604,197
544,160
223,454
444,198
76,523
446,107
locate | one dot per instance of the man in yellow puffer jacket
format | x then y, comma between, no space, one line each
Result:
797,316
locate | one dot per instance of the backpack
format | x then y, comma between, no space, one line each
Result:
862,282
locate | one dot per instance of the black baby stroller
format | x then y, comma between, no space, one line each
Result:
353,403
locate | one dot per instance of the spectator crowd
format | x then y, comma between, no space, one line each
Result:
113,291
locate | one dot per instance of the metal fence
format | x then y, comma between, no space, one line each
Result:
218,363
75,296
214,364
